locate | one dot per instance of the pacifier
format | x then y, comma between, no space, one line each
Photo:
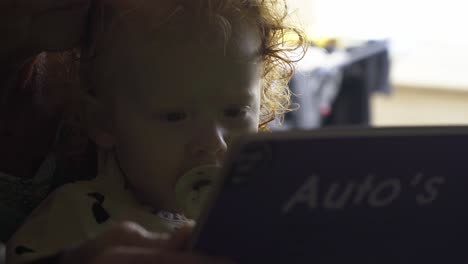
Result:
193,189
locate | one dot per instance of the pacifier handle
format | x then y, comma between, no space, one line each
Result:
194,187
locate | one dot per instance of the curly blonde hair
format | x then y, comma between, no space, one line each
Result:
269,17
219,17
278,66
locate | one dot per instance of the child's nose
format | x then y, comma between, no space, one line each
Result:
209,143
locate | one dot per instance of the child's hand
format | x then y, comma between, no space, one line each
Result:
32,26
131,243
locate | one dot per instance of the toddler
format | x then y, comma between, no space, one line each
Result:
167,86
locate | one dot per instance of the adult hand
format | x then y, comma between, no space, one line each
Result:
131,243
29,27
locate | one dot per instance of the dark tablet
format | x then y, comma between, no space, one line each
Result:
335,196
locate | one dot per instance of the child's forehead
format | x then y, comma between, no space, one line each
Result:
136,54
180,73
160,52
186,68
175,21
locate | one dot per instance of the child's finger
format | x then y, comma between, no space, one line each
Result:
132,235
180,240
130,243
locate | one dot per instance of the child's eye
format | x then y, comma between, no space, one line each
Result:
174,116
236,112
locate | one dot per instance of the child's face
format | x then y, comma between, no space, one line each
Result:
176,107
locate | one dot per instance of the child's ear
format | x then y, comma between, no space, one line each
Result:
98,123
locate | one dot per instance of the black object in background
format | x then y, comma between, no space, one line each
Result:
365,71
361,78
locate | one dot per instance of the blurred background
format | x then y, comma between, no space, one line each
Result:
381,63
